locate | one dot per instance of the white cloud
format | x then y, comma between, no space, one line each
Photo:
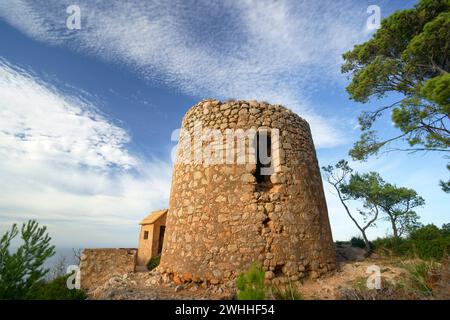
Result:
61,160
278,51
38,124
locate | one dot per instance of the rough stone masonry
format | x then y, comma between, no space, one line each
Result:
224,216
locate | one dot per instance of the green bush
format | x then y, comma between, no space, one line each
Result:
427,242
154,262
23,270
56,289
251,284
397,246
430,242
357,242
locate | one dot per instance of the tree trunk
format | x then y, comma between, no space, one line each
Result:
394,228
366,242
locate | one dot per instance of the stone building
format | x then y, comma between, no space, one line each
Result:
229,208
151,237
246,187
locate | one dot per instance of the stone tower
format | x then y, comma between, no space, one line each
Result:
230,206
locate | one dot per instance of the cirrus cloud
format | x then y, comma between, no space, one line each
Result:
278,51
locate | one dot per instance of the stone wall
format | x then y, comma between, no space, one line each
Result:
99,265
220,219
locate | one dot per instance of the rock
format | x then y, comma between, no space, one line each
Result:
221,199
217,273
269,275
197,175
177,279
193,288
179,287
247,177
269,207
187,276
349,253
276,179
222,218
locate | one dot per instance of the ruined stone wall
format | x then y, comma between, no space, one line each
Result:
220,219
99,265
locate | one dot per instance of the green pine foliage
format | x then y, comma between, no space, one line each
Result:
22,271
251,284
408,55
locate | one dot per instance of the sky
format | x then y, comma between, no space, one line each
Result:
87,115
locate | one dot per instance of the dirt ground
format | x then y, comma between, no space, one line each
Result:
329,287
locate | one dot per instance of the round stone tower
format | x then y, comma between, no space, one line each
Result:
246,187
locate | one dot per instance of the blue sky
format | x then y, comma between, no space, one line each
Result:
86,115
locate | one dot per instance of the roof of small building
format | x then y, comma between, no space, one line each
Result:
152,217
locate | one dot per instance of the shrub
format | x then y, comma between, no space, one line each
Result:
396,246
154,262
56,289
417,279
430,242
22,271
251,284
427,242
357,242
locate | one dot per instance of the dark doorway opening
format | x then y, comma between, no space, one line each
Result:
263,161
162,230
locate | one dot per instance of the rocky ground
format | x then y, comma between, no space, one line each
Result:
154,286
353,269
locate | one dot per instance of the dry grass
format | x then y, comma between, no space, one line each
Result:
422,280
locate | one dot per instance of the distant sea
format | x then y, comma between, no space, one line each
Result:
65,253
58,263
